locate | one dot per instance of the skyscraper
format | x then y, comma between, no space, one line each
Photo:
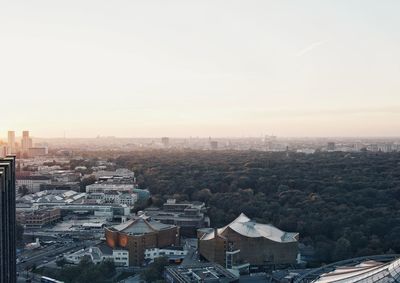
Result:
26,142
7,221
11,142
165,141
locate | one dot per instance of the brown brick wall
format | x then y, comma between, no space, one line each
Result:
137,244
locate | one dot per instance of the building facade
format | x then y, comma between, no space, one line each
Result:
189,216
244,243
7,221
137,235
33,183
11,143
26,142
174,254
99,254
39,218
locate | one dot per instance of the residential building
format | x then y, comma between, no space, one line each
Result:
244,243
138,235
199,273
7,221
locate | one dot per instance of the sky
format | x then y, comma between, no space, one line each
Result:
200,68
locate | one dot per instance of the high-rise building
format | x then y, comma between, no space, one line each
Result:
26,142
11,142
165,141
7,220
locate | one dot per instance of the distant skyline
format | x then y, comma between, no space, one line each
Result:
200,68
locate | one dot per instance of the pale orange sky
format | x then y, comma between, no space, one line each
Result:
200,68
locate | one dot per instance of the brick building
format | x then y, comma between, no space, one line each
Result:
139,234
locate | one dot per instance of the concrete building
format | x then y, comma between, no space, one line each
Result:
26,142
244,243
99,254
199,273
11,149
7,221
174,254
116,197
189,216
3,150
39,218
138,235
127,198
109,187
38,151
33,183
119,173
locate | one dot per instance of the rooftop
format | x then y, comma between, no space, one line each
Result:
251,229
201,272
141,226
368,271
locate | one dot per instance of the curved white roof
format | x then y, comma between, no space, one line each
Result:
248,228
370,271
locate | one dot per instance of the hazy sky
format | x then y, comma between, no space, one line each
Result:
200,68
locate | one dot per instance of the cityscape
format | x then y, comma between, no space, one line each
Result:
212,141
75,205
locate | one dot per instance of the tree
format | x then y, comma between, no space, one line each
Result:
23,190
61,262
87,181
342,249
155,271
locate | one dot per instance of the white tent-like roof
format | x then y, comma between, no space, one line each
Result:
248,228
369,271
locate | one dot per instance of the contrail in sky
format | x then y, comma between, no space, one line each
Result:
311,47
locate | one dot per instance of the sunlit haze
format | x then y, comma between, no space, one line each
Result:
200,68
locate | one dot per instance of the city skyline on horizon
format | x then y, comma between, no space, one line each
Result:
4,137
204,68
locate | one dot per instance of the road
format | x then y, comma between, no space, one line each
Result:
47,254
192,256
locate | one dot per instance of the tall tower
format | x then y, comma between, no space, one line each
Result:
26,141
11,142
7,220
